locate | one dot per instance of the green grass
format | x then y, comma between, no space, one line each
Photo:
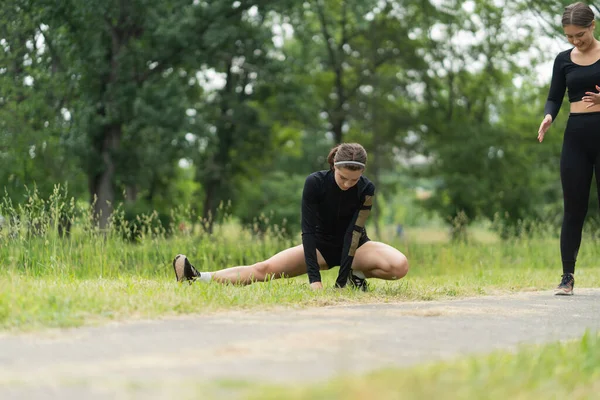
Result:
552,371
58,283
51,282
93,277
560,370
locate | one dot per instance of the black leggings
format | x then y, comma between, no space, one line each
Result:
579,159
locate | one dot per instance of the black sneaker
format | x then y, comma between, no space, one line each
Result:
357,283
184,270
566,285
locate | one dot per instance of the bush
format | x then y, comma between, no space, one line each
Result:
133,221
273,204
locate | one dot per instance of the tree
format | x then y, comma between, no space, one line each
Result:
480,153
345,45
235,127
127,60
34,125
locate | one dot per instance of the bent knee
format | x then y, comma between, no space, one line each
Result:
399,267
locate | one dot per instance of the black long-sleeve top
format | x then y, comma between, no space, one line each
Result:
334,217
577,79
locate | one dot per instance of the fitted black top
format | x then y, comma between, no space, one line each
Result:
578,79
333,217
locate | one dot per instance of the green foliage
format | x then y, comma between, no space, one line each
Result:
133,221
272,205
97,276
35,125
235,130
106,99
38,215
52,280
479,134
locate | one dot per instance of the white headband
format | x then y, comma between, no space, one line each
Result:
349,162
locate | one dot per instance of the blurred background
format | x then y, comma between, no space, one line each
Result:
196,112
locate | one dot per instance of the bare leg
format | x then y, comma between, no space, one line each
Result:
379,260
288,263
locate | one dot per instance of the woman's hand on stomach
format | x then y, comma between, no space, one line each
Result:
589,102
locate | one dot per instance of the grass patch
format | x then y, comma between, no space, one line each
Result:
559,370
53,282
551,371
85,292
92,277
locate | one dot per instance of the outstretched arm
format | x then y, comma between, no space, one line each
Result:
310,196
556,94
353,234
558,86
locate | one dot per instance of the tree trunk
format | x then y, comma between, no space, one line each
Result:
337,122
131,194
219,170
103,189
209,206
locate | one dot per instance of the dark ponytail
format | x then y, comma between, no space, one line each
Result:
331,156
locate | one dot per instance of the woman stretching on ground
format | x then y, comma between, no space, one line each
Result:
335,206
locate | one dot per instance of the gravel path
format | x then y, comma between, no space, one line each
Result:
148,359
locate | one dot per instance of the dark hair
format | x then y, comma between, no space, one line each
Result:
348,152
578,14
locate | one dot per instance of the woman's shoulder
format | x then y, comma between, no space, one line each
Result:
316,181
564,55
367,185
318,176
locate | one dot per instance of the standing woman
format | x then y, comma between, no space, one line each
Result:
578,71
335,207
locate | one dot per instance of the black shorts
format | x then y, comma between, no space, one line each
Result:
333,253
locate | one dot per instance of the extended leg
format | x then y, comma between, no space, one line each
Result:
288,263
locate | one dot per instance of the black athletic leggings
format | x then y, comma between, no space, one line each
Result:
579,159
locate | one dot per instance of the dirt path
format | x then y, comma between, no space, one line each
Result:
280,346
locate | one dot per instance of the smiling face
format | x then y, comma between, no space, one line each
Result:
347,178
580,37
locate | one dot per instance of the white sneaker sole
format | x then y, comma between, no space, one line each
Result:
563,292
